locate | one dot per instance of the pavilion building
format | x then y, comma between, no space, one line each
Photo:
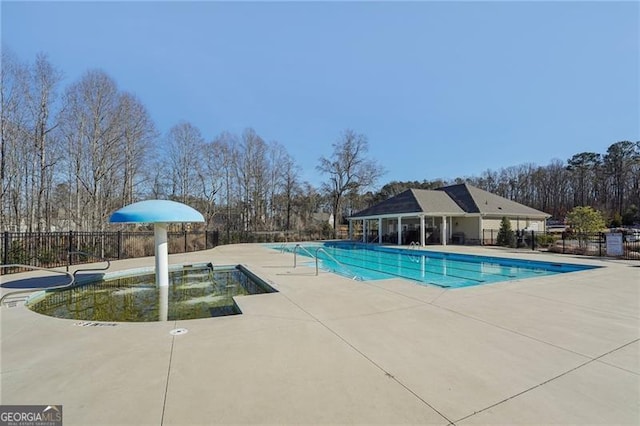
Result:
452,214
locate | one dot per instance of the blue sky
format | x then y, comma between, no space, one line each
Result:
441,89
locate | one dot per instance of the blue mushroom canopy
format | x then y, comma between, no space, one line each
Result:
156,211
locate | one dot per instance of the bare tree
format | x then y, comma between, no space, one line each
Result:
91,125
227,146
277,162
41,97
308,202
349,170
211,175
251,172
290,187
185,144
28,95
138,134
13,84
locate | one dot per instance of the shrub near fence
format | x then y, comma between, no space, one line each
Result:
593,244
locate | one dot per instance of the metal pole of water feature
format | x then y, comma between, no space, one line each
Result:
162,269
163,301
162,255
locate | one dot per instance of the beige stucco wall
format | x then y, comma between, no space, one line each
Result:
467,225
516,224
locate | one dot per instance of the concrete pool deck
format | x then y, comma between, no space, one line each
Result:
563,349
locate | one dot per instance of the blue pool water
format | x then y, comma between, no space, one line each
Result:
447,270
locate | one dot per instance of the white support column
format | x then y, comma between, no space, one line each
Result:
450,227
162,269
162,255
480,232
443,231
163,312
422,231
379,230
399,230
364,230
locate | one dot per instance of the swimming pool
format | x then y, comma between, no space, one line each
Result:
447,270
194,291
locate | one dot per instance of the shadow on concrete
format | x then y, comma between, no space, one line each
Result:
48,282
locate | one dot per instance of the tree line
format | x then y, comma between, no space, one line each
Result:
72,155
608,182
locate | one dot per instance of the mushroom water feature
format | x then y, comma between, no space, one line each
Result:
159,213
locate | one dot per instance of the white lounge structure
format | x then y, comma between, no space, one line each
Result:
451,214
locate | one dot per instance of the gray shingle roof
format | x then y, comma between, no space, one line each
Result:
405,202
476,200
436,201
450,200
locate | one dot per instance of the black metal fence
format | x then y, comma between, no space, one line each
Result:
591,244
55,249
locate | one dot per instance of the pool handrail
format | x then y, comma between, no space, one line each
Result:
103,259
413,246
315,256
31,290
321,249
295,254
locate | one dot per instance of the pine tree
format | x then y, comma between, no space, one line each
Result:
506,236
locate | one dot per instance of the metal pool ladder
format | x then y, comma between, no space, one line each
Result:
283,247
72,280
315,256
413,246
72,277
321,249
295,254
102,259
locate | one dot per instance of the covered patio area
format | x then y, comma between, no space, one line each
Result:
422,229
453,214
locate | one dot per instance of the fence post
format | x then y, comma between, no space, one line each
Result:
600,237
533,240
119,245
563,235
69,249
185,241
5,251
